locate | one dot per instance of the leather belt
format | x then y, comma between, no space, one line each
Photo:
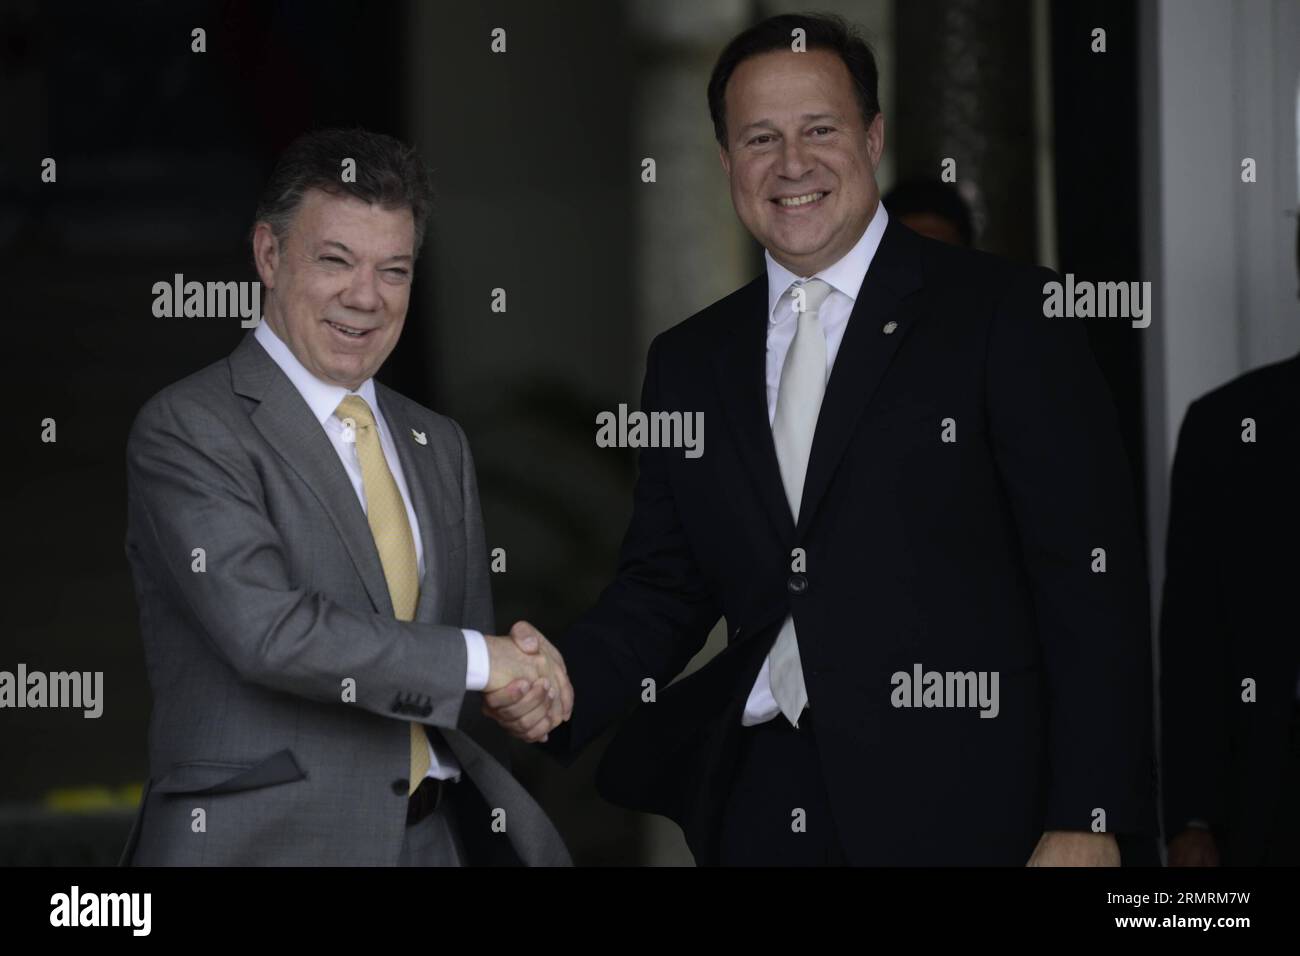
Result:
427,797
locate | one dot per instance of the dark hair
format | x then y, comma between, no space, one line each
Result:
935,197
822,31
388,172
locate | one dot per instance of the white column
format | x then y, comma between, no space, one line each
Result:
1218,85
691,250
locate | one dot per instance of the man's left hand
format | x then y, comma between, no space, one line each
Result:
1075,848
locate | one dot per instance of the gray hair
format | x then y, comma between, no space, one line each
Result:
388,173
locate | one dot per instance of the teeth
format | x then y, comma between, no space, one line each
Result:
355,333
801,200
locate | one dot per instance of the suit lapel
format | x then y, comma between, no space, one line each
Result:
741,360
865,353
416,467
286,422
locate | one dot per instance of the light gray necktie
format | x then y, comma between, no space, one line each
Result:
798,402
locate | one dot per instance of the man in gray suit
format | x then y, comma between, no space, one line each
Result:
311,570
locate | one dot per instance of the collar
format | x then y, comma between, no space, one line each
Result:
321,397
844,276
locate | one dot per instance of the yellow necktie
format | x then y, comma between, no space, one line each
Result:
386,513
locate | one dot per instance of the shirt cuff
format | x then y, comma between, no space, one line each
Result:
477,665
761,706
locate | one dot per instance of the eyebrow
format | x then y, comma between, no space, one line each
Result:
398,258
807,118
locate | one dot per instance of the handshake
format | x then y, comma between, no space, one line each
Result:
528,691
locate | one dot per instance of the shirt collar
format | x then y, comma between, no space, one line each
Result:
844,276
321,397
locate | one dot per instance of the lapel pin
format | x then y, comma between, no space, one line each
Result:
419,436
889,328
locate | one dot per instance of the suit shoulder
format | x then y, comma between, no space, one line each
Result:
1251,384
710,322
1210,437
1257,389
201,395
973,270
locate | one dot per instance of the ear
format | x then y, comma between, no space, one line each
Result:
725,158
266,254
876,139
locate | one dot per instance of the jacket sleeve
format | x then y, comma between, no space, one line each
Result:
192,485
1065,473
1194,724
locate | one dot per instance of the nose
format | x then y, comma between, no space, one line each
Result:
362,292
795,158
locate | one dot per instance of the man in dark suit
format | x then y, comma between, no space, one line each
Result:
909,471
1230,654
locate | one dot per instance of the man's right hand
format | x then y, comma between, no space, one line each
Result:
508,662
526,672
1195,846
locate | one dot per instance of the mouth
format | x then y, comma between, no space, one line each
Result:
350,333
804,201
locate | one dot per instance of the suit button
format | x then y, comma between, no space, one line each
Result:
400,787
797,584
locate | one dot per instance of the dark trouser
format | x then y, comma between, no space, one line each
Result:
778,773
1284,840
432,837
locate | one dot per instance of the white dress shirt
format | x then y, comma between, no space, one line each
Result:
323,399
845,278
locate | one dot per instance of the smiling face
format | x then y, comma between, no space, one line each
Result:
339,283
802,165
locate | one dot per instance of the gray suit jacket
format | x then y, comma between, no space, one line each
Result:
248,658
